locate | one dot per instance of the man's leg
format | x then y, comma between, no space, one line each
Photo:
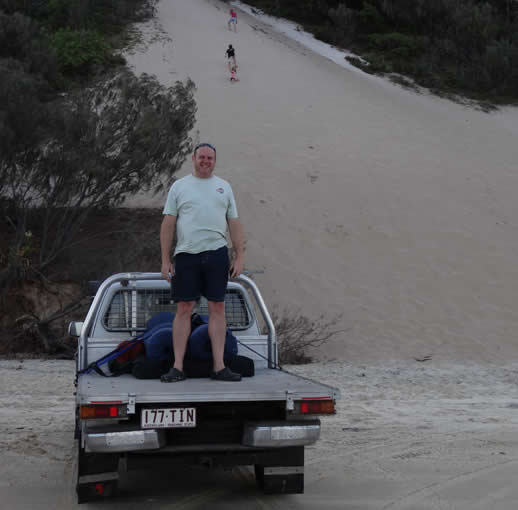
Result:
216,267
186,290
181,331
217,333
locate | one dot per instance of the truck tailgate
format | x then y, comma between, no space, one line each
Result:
267,384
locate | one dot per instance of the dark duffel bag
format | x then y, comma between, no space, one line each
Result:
199,346
203,368
147,368
242,365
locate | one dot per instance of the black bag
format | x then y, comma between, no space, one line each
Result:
147,368
242,365
117,368
203,368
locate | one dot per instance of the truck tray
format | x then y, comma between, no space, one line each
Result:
267,384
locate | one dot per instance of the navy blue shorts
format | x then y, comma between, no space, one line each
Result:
201,274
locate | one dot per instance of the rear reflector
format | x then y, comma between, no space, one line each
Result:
90,412
315,407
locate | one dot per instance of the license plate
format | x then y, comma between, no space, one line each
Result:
168,418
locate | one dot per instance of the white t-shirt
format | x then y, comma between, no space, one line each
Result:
201,207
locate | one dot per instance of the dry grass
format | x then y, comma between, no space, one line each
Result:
298,334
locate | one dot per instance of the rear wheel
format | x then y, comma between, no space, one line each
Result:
97,475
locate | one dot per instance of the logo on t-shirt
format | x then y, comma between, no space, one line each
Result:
220,190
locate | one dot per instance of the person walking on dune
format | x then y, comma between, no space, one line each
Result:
232,20
231,57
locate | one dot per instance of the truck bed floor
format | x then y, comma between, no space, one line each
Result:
267,384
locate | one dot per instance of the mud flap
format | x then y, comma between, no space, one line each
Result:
97,475
281,480
286,479
95,487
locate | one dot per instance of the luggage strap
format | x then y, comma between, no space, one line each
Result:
275,365
95,366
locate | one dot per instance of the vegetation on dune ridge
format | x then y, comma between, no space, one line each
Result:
466,47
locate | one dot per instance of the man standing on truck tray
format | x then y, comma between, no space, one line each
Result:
199,208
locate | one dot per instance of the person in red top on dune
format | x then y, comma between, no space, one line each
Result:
232,20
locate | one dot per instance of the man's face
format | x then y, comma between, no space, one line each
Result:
204,160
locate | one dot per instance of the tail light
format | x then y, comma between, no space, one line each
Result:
314,407
89,412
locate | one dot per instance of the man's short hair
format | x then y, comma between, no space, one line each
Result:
200,145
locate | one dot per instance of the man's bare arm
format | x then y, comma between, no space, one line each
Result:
166,240
237,236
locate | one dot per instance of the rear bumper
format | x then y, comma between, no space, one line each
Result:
255,435
124,441
281,434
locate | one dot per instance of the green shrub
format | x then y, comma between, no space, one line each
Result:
77,51
22,39
359,63
501,59
344,21
326,33
377,63
58,13
410,45
369,20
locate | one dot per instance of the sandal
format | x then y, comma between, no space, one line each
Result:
174,375
225,375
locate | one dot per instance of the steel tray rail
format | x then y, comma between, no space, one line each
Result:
130,280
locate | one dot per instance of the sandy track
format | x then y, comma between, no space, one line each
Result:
408,435
395,209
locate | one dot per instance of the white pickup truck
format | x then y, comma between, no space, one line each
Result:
263,421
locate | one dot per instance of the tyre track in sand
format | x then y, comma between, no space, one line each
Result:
416,497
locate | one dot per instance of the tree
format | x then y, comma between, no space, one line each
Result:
122,136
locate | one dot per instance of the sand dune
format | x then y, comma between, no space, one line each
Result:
396,209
